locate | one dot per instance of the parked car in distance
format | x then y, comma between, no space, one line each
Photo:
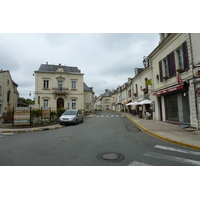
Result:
71,117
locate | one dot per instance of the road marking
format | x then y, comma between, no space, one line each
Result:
172,158
112,115
107,115
135,163
102,115
97,116
1,136
177,150
117,115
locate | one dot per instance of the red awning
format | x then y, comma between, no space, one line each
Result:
169,89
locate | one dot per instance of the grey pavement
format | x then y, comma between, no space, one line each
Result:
173,133
189,137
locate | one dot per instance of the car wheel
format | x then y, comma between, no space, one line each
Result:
76,122
82,120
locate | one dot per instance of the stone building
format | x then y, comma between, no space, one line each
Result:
8,93
58,86
172,70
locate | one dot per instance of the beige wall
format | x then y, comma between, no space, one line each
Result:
68,93
6,85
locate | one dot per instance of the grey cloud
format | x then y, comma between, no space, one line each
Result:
107,59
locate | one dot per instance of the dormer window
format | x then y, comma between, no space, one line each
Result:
60,69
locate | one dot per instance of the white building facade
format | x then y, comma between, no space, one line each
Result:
59,86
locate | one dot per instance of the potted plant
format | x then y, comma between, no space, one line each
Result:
180,70
165,77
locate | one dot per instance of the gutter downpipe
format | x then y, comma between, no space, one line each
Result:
197,118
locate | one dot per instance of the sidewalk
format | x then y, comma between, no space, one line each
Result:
5,129
188,137
11,131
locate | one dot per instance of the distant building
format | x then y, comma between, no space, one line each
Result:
8,93
58,86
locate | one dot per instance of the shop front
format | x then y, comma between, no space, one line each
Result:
173,104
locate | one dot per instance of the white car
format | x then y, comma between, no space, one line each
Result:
71,117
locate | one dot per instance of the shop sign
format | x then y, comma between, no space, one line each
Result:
196,72
170,89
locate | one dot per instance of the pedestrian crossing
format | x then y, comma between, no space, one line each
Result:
112,116
175,159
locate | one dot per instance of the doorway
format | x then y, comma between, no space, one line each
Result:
60,103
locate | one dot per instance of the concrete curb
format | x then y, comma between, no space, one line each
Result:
29,130
161,137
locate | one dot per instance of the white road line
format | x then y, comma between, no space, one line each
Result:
102,115
107,115
177,150
97,116
122,115
135,163
117,115
172,158
112,115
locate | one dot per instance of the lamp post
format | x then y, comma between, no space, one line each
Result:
145,61
30,94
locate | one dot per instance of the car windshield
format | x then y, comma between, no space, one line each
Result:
70,112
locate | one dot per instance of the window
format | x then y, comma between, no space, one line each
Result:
46,84
73,84
73,103
60,84
8,96
129,93
107,100
180,58
46,103
0,90
166,68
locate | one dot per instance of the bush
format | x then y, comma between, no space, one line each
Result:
60,111
36,112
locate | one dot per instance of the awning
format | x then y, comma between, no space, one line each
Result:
169,89
127,102
139,102
145,102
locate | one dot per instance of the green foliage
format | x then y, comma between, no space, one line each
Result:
26,101
60,111
53,112
36,112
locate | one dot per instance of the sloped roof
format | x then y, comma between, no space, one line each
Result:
86,88
53,68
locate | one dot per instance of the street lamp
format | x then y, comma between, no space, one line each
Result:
30,94
145,61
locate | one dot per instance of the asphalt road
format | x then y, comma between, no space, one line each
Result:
108,139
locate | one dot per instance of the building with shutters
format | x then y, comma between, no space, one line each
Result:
58,86
172,71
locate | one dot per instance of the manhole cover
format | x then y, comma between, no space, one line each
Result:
65,139
111,157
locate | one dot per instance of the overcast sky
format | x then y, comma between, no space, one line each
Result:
106,59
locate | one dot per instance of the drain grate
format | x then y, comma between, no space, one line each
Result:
64,139
111,157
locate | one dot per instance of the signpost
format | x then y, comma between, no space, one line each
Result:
46,113
21,116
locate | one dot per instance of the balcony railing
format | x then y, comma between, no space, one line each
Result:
57,91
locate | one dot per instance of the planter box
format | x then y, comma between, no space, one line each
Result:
7,119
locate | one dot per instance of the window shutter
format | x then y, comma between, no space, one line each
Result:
171,64
185,56
161,72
